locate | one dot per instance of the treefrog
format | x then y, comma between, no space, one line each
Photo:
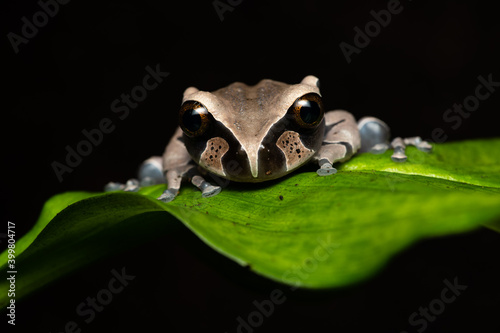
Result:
257,133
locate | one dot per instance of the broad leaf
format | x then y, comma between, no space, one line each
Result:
304,230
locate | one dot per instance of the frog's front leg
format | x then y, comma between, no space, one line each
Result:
375,135
341,141
177,165
172,168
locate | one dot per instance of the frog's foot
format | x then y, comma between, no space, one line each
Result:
132,185
207,189
168,195
399,146
375,136
112,186
379,148
419,143
325,168
174,180
150,173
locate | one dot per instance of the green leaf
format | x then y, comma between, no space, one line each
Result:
304,230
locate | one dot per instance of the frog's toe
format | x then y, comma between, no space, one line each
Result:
132,185
419,143
112,186
399,146
399,157
425,147
379,148
207,189
210,190
168,195
326,168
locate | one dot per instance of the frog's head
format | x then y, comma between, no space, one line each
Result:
253,133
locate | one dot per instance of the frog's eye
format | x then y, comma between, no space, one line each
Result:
194,118
307,110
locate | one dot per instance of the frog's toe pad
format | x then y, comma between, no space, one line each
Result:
112,186
132,185
210,191
326,170
168,195
399,157
425,147
379,148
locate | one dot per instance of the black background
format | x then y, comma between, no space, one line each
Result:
66,77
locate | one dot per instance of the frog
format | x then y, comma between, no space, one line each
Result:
258,133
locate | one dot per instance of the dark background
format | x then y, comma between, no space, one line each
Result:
66,77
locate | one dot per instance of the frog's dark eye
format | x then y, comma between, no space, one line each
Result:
194,118
307,110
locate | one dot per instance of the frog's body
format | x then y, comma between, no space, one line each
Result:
258,133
